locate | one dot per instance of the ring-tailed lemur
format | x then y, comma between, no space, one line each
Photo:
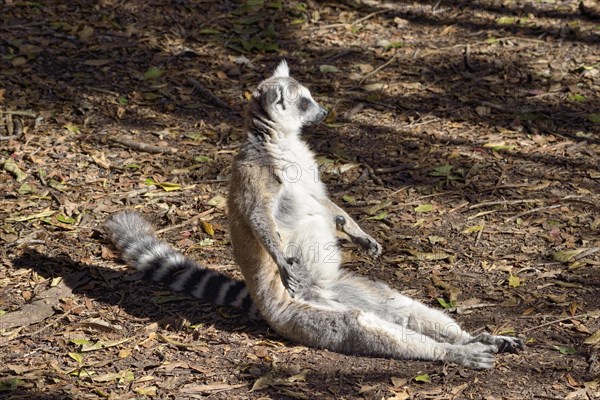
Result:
283,231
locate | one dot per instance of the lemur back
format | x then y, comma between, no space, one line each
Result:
284,233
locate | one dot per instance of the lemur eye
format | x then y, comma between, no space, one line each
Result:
304,103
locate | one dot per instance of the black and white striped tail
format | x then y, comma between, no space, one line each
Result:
140,248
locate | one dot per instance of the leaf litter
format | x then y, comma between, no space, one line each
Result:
479,108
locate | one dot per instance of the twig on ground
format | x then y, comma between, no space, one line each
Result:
342,25
481,214
571,199
556,321
462,309
376,70
458,207
148,148
186,222
363,19
586,253
422,121
527,186
504,203
511,110
372,174
21,113
466,61
479,234
10,127
500,178
14,128
533,210
391,170
487,43
56,197
202,90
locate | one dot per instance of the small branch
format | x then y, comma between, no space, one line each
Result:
22,113
148,148
203,91
504,203
466,61
556,321
391,170
533,210
343,25
586,253
10,127
511,110
376,70
363,19
186,222
372,174
462,309
487,43
458,207
479,235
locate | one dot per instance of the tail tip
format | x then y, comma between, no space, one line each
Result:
126,222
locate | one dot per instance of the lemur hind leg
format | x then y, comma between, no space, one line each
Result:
365,333
394,307
439,325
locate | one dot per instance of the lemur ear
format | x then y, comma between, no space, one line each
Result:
282,70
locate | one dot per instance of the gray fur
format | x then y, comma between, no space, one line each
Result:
140,248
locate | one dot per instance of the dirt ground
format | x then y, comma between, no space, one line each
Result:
463,135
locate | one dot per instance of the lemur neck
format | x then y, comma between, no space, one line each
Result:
260,126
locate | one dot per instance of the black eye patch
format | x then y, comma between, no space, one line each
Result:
304,104
281,98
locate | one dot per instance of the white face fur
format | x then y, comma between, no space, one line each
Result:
288,103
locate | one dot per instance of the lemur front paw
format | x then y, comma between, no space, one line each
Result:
357,236
291,275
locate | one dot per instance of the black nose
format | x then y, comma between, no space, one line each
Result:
322,113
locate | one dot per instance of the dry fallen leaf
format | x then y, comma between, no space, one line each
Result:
594,338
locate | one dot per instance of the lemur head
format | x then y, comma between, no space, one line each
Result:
286,102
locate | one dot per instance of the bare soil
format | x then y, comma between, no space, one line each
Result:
464,135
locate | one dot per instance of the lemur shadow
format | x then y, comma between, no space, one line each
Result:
127,290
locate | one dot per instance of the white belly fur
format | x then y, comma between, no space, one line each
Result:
303,223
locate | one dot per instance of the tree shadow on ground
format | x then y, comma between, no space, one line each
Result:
433,12
83,75
114,59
